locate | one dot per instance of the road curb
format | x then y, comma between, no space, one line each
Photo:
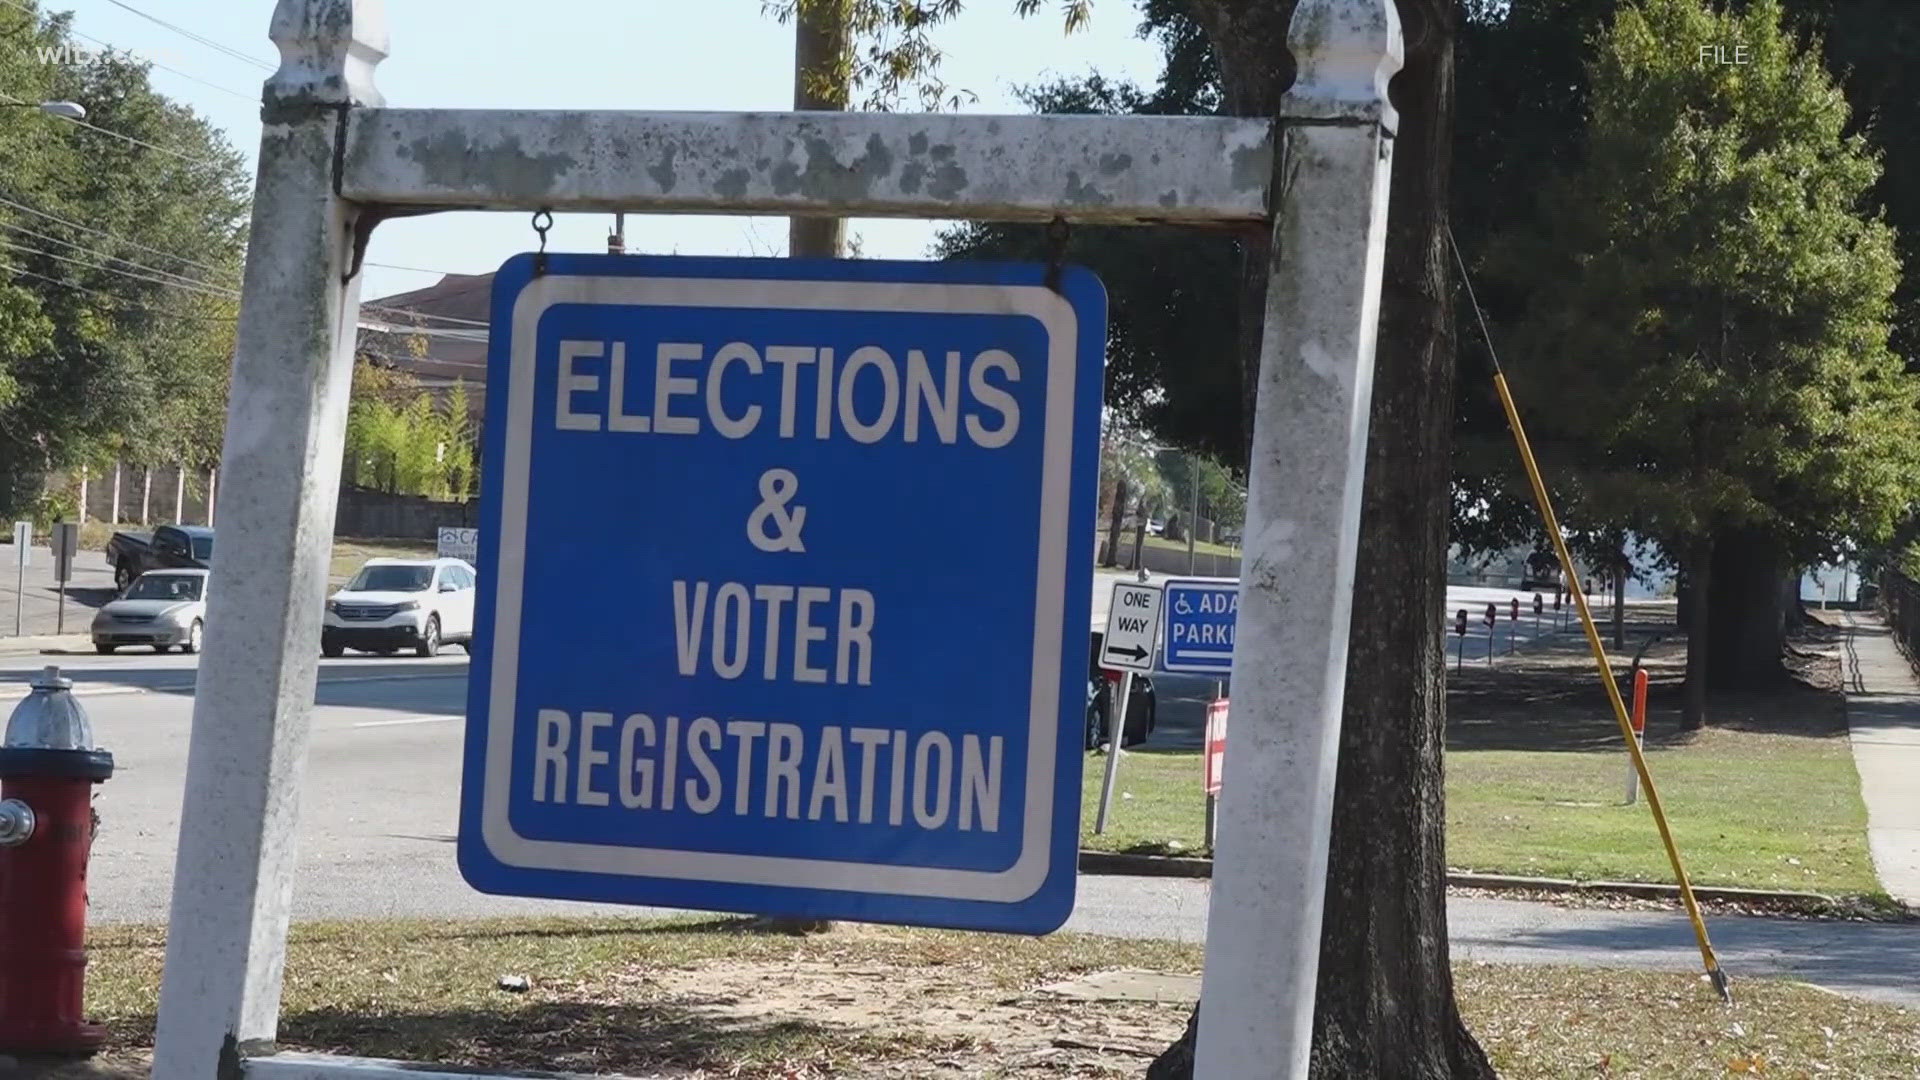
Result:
1109,863
1115,864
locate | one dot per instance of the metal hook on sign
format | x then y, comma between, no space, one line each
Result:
540,257
1058,233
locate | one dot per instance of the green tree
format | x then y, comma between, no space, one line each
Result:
1709,356
457,421
1378,1011
119,252
1130,479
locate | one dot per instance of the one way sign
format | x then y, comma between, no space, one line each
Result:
1133,622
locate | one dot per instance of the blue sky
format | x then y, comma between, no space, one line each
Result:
594,54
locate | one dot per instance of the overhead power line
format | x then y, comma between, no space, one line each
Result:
115,300
184,32
180,278
225,274
20,4
4,201
124,138
176,282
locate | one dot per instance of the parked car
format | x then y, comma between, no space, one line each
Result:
165,609
394,604
167,547
1103,692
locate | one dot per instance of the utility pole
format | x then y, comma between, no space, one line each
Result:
820,56
821,52
1193,520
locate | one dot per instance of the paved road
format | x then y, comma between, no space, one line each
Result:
380,812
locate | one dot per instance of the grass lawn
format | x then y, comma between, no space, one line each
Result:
1747,809
1158,805
1767,798
863,1001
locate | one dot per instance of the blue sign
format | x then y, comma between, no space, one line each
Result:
784,576
1200,617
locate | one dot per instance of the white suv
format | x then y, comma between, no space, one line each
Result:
394,604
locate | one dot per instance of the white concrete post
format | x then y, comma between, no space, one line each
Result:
179,494
116,494
1303,522
286,423
146,495
213,478
82,518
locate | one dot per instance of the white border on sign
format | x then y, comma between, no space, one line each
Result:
1197,662
1012,885
1152,643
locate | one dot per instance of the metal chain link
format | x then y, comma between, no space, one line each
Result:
540,257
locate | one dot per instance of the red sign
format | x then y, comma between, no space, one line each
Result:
1216,743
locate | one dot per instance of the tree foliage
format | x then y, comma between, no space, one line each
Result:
403,441
1708,291
891,52
120,244
1173,327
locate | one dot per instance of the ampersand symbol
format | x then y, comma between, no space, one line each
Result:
771,526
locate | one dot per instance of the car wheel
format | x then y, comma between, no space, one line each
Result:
193,638
430,637
162,650
122,577
104,650
332,649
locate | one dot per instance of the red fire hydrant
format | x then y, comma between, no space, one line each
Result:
48,766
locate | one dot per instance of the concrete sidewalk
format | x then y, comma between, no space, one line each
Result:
1883,722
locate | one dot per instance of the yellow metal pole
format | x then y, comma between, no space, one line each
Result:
1714,973
1552,523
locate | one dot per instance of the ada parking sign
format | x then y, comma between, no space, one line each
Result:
784,591
1201,614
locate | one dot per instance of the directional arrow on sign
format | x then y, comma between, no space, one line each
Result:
1133,625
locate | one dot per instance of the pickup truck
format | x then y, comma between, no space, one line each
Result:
167,547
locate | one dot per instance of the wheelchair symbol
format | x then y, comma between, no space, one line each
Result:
1180,605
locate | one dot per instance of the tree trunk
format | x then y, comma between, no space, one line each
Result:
820,51
1620,604
1693,711
1113,523
1384,1007
1791,608
1140,534
1747,636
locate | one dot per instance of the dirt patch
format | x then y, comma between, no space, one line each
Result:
967,1027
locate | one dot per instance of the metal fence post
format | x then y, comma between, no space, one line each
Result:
286,424
1314,394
